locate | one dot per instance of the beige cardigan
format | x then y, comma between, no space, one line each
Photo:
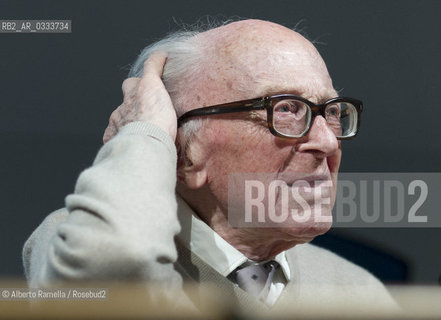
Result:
120,223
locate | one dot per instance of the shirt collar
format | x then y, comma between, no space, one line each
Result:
199,238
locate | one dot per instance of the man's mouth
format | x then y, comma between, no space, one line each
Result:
311,181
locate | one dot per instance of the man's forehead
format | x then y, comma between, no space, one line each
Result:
262,63
300,71
310,81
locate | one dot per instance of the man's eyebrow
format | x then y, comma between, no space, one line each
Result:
276,91
327,97
303,93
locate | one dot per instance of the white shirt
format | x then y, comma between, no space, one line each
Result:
199,238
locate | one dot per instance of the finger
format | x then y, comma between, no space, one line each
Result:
112,127
108,133
129,85
154,65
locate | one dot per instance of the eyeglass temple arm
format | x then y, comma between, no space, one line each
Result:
220,110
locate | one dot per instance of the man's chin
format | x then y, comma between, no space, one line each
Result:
308,231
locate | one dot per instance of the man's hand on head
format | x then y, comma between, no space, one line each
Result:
145,99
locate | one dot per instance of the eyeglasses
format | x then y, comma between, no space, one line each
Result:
290,116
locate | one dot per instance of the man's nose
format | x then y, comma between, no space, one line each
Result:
320,138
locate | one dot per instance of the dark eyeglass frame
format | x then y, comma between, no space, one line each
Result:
268,103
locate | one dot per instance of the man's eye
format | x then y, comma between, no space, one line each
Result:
290,106
290,110
333,111
286,108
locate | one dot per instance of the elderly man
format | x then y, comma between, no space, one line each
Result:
251,97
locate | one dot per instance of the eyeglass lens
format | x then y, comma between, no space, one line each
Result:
292,118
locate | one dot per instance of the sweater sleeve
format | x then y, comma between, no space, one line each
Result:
120,222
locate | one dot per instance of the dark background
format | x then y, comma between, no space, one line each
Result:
58,90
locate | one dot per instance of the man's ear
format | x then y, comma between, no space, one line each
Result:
191,169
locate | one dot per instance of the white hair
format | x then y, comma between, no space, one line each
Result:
183,55
185,58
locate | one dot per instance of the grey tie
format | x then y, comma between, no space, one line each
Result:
256,279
